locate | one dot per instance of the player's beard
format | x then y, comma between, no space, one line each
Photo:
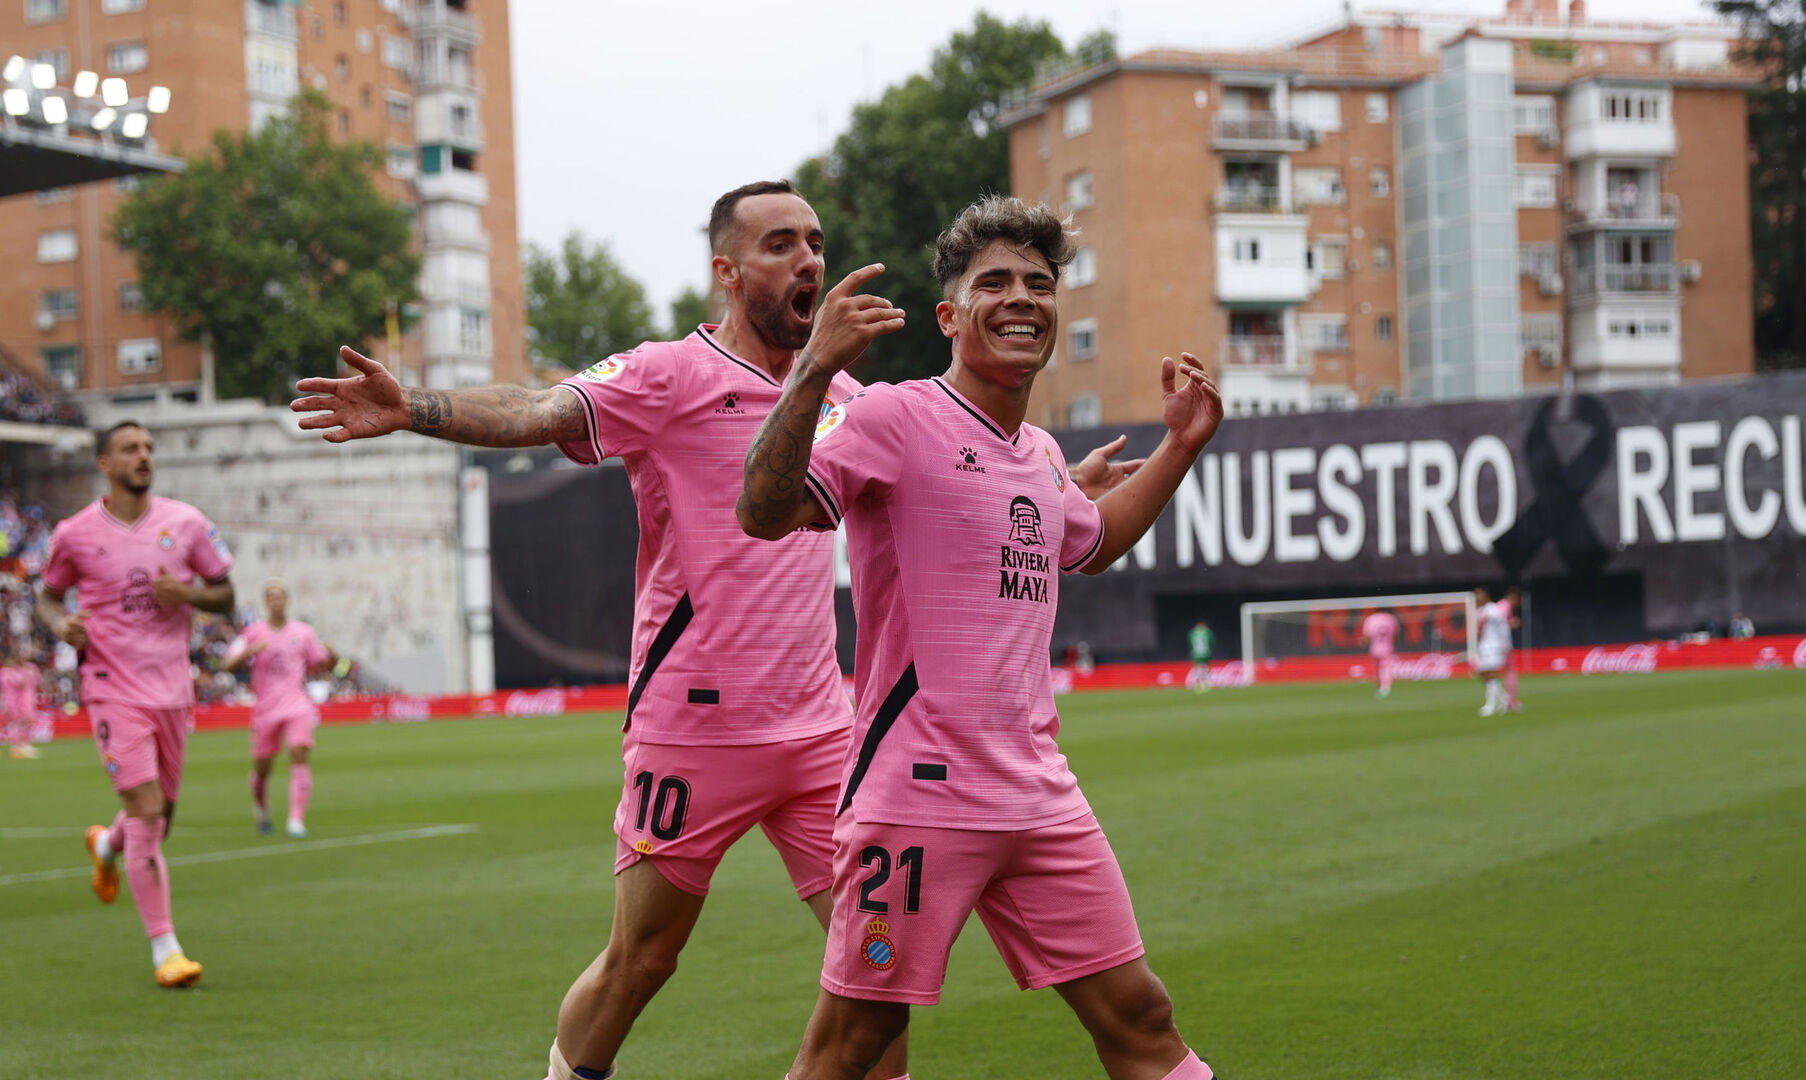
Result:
775,319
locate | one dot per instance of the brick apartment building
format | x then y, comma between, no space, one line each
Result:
1408,206
426,80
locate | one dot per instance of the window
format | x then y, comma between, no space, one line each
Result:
1631,106
1378,107
1379,181
1539,333
364,96
400,161
341,67
1536,187
1075,115
131,296
60,304
344,122
56,245
1382,328
45,10
338,12
1317,185
127,57
1320,110
125,185
395,52
1630,329
463,121
319,25
401,110
117,7
1536,260
1084,268
140,356
1078,191
1329,256
473,331
1085,412
1385,395
1382,255
58,59
364,41
63,363
1599,54
1081,338
1247,249
1531,114
50,196
464,159
1324,331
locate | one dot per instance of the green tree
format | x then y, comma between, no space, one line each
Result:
690,309
1775,31
582,307
911,160
277,245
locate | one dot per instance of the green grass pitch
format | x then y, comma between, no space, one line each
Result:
1610,884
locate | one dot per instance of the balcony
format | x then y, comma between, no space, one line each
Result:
1260,259
1263,352
1261,131
275,20
1247,199
1656,210
457,185
1644,279
434,19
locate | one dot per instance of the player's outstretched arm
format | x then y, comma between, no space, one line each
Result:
373,403
1096,474
1192,413
773,500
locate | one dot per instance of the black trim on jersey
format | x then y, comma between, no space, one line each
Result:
713,344
820,491
1089,554
661,648
888,712
590,418
989,424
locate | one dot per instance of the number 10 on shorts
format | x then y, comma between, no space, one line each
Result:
664,805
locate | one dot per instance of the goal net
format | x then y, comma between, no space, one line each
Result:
1428,623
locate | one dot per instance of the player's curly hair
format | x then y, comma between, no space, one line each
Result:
1006,218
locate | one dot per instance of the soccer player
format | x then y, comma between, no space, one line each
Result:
1514,605
955,796
1493,650
281,651
18,702
140,564
1380,630
1201,640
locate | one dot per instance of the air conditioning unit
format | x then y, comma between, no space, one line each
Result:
1547,139
45,320
1549,285
1548,356
1690,270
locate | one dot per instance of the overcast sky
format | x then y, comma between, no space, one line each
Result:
630,118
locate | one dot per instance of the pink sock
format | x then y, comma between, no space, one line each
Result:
1511,687
148,873
1385,675
260,791
1190,1069
300,786
116,833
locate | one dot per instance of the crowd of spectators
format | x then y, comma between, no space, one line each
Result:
22,399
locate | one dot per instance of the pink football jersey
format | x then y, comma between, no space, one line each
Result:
137,648
279,672
733,638
1381,629
958,535
19,688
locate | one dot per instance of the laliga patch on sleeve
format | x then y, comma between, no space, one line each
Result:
603,370
219,543
832,416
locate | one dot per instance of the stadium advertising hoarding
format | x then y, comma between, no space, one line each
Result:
1655,510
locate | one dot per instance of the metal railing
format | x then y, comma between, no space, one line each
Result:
1261,127
1249,199
278,20
1264,351
1644,278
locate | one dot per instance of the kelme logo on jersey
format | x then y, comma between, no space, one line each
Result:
1059,477
832,416
877,950
602,370
730,405
968,461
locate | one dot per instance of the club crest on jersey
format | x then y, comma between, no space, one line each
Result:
877,950
165,541
1059,477
832,416
1025,522
603,370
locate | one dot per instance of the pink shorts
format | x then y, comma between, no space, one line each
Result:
684,806
269,735
1053,899
138,745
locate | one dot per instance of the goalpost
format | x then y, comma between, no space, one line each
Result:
1428,623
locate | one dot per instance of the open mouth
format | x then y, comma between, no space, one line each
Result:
1017,331
802,302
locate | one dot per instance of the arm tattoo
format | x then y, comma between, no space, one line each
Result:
497,416
778,459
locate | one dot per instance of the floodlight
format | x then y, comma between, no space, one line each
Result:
103,119
15,68
43,76
112,91
56,110
134,125
86,82
157,100
18,102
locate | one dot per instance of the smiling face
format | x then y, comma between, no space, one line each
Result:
773,268
275,598
1002,314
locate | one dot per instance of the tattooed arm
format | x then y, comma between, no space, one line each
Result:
773,501
374,403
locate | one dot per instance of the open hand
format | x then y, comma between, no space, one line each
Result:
361,407
849,320
1096,473
1192,411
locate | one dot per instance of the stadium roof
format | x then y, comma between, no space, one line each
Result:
35,159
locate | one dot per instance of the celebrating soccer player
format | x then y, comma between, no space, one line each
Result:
1493,651
955,796
1381,631
140,564
281,651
